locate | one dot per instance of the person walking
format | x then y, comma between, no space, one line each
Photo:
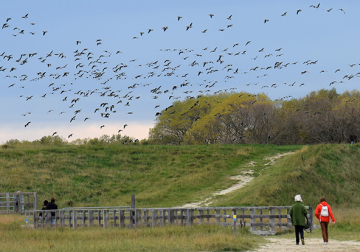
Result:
297,214
323,212
52,206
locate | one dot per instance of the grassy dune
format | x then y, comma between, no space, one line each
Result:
106,175
161,176
314,171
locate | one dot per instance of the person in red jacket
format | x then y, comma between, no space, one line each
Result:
323,212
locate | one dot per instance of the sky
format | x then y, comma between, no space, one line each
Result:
82,69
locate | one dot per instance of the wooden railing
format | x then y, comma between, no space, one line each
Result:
261,220
17,202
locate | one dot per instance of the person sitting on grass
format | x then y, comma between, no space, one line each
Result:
297,214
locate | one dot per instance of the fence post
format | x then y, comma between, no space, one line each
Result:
122,218
234,212
105,218
36,219
137,217
85,218
164,217
153,217
35,201
75,220
224,213
170,216
182,217
99,217
217,216
253,219
61,218
91,218
272,220
311,217
146,217
7,203
201,217
114,216
189,215
48,218
289,223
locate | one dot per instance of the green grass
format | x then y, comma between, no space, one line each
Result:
166,238
107,175
314,171
167,176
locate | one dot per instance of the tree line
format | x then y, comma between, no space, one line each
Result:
322,116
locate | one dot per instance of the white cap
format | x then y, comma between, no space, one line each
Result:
298,198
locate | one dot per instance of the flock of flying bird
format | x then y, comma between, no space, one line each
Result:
63,73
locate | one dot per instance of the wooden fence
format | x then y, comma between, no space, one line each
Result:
17,202
261,220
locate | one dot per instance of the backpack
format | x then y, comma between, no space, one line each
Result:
307,224
324,211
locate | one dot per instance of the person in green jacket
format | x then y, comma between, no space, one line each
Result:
297,214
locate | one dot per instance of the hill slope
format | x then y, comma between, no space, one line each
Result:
165,176
314,171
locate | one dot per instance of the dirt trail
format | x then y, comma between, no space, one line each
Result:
312,244
243,178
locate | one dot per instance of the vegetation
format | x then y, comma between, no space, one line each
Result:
242,118
166,238
314,171
107,174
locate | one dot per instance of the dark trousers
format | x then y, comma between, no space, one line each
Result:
299,230
324,229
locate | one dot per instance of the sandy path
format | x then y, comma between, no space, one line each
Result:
243,178
311,244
